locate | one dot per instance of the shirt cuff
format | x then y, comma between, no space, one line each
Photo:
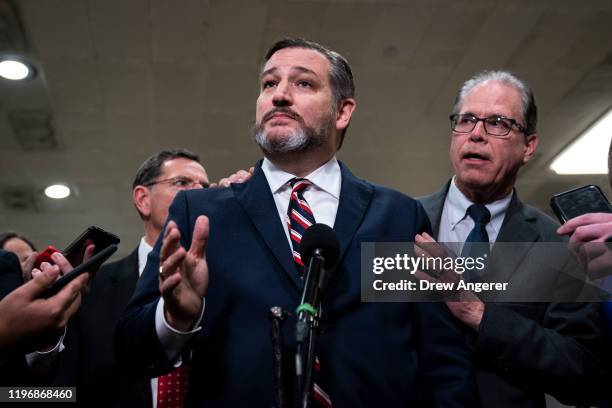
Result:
43,360
173,340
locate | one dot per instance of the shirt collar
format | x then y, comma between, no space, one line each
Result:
459,203
328,177
143,252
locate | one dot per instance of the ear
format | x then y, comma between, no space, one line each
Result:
531,143
345,111
142,200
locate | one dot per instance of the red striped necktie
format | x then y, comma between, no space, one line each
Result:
299,219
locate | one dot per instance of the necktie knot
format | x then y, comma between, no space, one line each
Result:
298,184
479,213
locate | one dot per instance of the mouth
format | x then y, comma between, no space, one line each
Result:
474,157
280,115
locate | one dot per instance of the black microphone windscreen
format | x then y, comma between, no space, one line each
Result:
320,236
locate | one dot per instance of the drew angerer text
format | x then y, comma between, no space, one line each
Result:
423,285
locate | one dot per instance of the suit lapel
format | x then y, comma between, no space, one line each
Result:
516,228
433,205
355,196
256,199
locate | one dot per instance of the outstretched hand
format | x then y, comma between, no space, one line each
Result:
183,275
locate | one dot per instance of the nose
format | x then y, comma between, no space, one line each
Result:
478,132
282,95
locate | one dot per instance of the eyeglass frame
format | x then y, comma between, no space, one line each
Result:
170,181
513,122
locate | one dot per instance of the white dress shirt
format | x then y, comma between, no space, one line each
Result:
456,224
323,197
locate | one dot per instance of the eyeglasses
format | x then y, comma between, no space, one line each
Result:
180,183
495,125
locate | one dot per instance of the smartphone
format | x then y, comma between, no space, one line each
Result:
92,235
89,265
579,201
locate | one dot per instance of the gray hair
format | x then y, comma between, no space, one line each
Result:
529,108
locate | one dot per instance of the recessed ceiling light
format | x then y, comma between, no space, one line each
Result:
588,154
57,191
14,70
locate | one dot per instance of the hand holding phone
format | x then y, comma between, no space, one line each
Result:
76,249
89,265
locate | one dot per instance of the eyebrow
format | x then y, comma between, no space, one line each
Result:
297,68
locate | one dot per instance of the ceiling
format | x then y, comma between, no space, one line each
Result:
121,79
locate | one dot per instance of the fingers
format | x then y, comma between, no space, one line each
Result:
429,246
28,265
89,251
39,283
239,177
200,237
166,286
61,261
67,301
170,265
593,218
592,232
171,241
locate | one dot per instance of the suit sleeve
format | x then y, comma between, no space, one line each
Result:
136,343
446,363
558,351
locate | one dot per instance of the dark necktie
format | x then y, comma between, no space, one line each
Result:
477,242
299,219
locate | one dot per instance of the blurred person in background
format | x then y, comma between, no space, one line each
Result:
22,247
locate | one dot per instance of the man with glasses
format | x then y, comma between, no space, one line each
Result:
522,350
89,362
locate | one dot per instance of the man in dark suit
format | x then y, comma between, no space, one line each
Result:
89,361
522,350
240,260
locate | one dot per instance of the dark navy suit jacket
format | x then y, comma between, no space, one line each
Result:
372,354
89,360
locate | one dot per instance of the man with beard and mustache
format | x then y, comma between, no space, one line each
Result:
522,350
228,255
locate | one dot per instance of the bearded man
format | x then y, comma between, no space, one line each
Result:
228,255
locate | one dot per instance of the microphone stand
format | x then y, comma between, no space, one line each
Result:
277,318
307,329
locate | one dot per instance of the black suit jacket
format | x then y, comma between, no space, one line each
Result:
89,360
372,354
11,360
524,350
10,273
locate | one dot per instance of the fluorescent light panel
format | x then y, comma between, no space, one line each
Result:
588,154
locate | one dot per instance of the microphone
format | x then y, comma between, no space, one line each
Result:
320,250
